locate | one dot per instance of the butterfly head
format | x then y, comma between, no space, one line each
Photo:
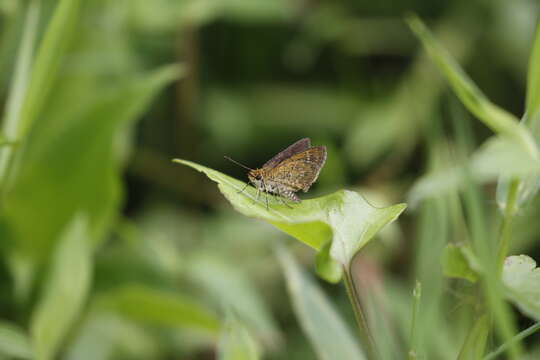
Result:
256,177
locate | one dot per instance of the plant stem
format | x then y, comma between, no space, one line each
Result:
417,294
522,335
491,284
506,225
365,335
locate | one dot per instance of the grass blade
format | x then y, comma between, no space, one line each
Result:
499,120
519,337
475,344
236,343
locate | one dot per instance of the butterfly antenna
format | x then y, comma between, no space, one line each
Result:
237,163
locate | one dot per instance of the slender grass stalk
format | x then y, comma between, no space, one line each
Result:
522,335
491,284
498,311
18,86
417,294
506,225
365,335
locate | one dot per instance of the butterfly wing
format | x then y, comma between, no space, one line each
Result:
299,146
301,170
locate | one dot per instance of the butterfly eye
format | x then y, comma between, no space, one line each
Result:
258,177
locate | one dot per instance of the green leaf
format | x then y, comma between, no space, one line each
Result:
522,280
499,120
326,267
344,216
157,307
475,343
327,332
532,105
84,179
236,343
456,263
65,291
14,342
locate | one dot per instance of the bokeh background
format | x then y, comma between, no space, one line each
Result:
137,83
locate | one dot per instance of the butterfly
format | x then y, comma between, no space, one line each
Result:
291,170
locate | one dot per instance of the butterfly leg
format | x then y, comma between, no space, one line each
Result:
282,197
284,202
257,196
266,196
244,188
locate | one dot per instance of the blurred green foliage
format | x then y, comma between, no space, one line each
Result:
110,251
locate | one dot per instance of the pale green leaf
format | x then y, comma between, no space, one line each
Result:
14,342
499,157
344,216
236,343
158,307
499,120
65,292
320,321
522,280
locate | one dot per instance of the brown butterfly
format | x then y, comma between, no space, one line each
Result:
293,169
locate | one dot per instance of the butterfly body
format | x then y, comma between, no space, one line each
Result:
295,168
